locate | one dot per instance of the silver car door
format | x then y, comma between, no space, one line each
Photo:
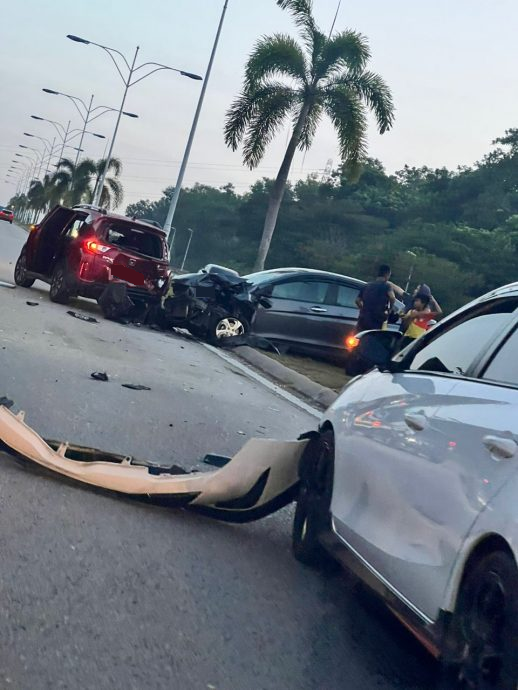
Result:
401,498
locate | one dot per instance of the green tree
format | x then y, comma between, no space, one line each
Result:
42,194
75,184
71,182
324,75
112,193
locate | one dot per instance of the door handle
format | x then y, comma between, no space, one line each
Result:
417,422
500,448
319,310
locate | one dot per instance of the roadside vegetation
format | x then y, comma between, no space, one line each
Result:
461,224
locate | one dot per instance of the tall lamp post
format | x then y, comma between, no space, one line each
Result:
178,187
128,80
87,114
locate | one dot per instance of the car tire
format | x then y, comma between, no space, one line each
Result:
312,511
225,326
20,272
483,635
59,291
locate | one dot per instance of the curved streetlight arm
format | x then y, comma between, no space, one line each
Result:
35,136
109,51
148,74
74,99
159,67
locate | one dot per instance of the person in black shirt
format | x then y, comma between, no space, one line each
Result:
374,301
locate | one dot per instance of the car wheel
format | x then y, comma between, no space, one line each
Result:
20,272
312,516
226,327
484,628
59,291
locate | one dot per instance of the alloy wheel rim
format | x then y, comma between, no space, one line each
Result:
229,327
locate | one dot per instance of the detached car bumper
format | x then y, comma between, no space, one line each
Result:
260,479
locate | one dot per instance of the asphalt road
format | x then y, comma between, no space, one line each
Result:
105,593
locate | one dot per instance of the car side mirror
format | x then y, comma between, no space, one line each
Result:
372,349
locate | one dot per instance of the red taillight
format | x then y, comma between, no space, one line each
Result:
95,247
351,342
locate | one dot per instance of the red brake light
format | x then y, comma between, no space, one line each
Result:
351,342
94,247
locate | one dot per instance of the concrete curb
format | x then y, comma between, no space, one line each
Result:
320,395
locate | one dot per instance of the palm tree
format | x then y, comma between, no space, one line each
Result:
324,75
73,182
113,192
41,195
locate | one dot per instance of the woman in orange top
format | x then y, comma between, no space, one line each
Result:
417,320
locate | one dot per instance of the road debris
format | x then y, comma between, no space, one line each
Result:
6,402
258,480
32,304
100,376
136,386
7,285
82,317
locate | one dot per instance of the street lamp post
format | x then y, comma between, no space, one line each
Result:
191,232
185,160
87,115
127,81
70,134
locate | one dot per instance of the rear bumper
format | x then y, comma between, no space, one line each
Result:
95,290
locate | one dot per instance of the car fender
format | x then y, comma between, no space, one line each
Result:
499,520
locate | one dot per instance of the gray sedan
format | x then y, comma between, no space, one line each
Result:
311,311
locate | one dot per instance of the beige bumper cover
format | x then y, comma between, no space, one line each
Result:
261,478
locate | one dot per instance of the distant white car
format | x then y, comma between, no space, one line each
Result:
413,483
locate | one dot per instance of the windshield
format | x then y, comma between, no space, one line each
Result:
134,239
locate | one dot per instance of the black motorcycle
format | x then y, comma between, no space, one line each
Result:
213,305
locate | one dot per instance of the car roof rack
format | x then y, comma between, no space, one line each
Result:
90,207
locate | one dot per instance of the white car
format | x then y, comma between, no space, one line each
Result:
413,483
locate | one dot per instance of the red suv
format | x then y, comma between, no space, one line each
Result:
80,250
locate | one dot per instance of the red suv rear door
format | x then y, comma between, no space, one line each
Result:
137,255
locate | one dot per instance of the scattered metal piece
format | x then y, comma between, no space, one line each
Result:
32,304
82,317
136,386
100,376
7,285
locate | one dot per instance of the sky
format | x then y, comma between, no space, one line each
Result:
451,65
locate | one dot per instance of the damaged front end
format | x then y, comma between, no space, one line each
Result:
258,480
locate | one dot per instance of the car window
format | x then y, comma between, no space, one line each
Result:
74,230
455,350
504,367
347,295
134,239
302,291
